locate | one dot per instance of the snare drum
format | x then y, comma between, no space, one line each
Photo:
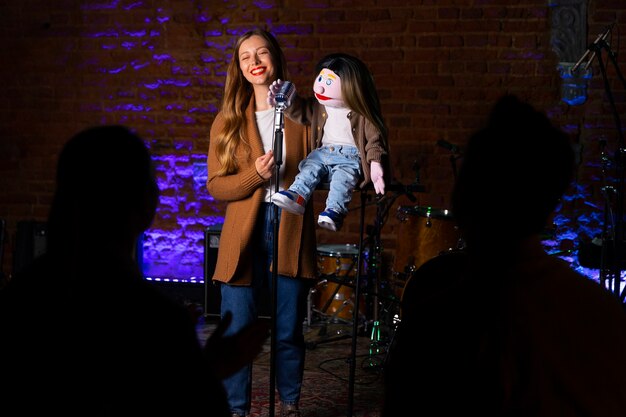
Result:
425,233
338,260
334,295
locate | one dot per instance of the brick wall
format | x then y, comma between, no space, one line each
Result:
159,67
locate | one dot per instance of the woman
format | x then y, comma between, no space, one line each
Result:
241,167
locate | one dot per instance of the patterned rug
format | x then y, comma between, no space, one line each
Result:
327,375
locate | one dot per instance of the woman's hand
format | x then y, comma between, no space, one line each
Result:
265,165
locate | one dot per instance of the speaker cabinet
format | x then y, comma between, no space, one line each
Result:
212,293
212,296
30,242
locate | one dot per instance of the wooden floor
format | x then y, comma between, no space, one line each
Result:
342,376
343,373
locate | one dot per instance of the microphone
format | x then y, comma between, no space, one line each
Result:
284,95
591,48
449,146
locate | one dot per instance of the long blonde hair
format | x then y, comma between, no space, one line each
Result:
237,94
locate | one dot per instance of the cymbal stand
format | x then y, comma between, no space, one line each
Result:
455,154
382,298
612,274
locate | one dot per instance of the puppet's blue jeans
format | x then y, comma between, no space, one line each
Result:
339,165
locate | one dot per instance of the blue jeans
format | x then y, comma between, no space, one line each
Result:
338,165
243,302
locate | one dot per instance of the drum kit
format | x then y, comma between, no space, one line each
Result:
431,231
334,297
425,233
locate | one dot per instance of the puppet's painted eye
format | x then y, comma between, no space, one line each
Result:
329,82
319,79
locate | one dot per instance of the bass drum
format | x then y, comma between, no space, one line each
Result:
424,233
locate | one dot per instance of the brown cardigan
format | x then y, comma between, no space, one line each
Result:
297,247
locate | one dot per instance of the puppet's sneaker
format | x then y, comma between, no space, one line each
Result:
330,219
290,201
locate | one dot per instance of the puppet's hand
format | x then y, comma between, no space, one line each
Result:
273,90
376,174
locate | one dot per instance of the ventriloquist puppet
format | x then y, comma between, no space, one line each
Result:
349,136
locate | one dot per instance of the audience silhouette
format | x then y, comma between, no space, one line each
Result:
82,332
502,328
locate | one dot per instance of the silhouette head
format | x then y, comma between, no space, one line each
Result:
513,174
105,188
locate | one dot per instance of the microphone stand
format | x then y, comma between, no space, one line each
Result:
355,313
455,154
618,232
279,123
453,159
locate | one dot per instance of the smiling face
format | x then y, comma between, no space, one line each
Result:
327,89
255,61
